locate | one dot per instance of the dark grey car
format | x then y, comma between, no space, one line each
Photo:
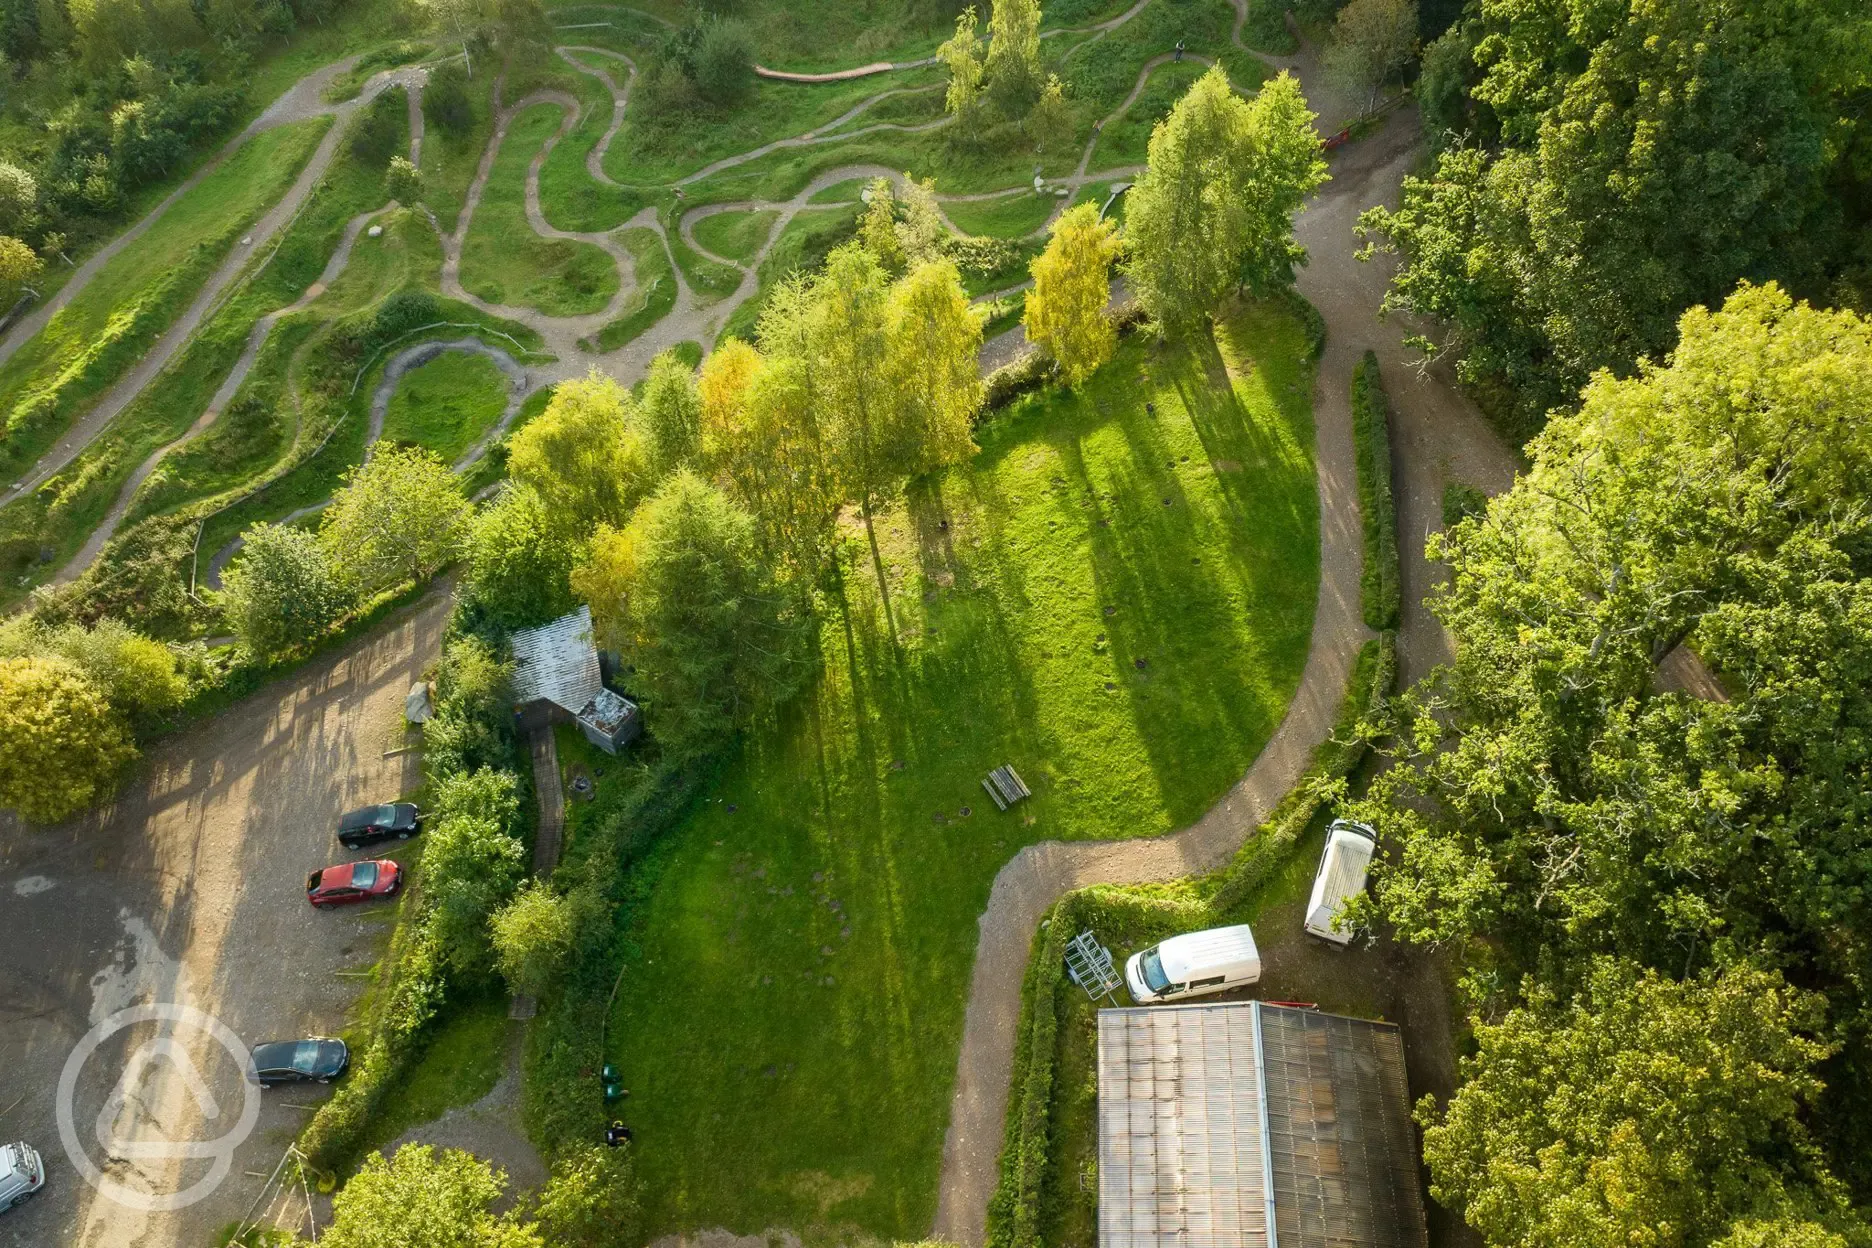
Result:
392,821
317,1060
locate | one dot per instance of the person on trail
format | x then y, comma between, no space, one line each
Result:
1179,50
617,1133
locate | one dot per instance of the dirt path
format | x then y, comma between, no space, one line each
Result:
105,410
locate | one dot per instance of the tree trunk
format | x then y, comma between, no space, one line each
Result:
877,565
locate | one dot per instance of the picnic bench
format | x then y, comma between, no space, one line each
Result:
1006,787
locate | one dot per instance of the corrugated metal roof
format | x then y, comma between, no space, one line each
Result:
1203,1107
558,662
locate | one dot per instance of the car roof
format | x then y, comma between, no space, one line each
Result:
1218,947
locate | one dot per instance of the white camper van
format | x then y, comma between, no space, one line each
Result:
1341,877
21,1173
1193,965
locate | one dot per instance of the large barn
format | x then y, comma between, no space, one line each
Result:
1248,1125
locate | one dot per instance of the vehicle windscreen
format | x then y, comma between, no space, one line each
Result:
305,1058
386,815
1152,966
364,875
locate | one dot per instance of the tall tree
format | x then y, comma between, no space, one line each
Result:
590,1200
533,936
1641,1111
849,339
877,229
398,518
1013,68
934,342
1214,208
1372,40
1641,158
683,591
519,561
1067,310
281,592
963,56
670,415
583,454
61,745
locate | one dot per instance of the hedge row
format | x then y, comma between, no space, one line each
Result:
1026,1151
1379,586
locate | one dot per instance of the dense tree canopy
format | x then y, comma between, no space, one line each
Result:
1214,208
399,517
684,592
1642,1111
425,1198
281,591
519,561
1561,803
584,453
1628,161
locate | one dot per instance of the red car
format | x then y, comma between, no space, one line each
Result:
353,881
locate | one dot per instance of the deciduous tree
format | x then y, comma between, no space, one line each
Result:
878,228
1372,40
1067,310
670,415
61,746
964,57
398,518
519,561
934,344
1638,1111
1013,67
425,1198
532,939
684,592
583,454
590,1200
1214,208
281,592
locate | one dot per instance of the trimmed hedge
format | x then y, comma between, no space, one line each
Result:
1380,588
1026,1150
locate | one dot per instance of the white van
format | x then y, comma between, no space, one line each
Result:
21,1173
1193,965
1343,866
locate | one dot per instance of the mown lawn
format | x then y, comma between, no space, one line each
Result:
1011,216
735,235
447,404
1116,601
505,262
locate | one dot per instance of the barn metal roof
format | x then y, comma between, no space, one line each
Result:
1248,1125
558,662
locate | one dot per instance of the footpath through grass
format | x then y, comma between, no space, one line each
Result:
1115,600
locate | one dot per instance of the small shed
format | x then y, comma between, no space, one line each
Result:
558,679
1247,1125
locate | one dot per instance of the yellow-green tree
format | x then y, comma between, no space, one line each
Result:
583,454
1013,69
1214,208
61,745
1067,310
398,518
963,56
934,339
878,229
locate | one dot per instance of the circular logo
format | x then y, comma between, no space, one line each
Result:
219,1152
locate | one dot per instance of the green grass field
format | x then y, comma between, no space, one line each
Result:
1012,216
447,404
734,235
1115,601
1124,141
505,262
460,1063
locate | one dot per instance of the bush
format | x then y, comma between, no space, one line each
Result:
446,102
1380,588
374,135
532,939
723,66
1462,501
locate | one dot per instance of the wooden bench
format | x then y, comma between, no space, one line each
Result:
1006,787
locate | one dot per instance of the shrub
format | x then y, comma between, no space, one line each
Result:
446,102
723,64
532,938
281,592
1461,501
374,134
1380,589
61,744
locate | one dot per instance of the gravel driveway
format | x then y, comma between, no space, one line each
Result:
189,889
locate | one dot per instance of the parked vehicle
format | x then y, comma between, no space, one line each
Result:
22,1173
1194,964
1343,866
390,821
317,1060
353,881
